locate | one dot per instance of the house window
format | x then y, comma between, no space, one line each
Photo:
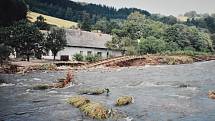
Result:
99,54
89,52
81,52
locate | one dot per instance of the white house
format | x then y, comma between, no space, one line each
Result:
85,43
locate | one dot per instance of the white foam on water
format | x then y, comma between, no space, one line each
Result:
180,96
70,85
53,92
156,66
128,119
146,66
192,88
18,80
20,84
148,84
6,85
37,79
28,90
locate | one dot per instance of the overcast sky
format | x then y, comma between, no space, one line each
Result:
166,7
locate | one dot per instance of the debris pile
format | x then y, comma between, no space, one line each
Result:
60,84
9,69
63,82
51,67
211,94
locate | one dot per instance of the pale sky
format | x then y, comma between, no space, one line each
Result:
166,7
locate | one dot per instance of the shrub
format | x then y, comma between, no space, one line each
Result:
78,57
173,60
151,45
91,58
186,52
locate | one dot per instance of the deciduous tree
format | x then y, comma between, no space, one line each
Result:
56,41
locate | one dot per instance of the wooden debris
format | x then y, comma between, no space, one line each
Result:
211,94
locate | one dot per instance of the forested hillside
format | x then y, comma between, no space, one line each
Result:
75,11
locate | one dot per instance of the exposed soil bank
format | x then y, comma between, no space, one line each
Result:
160,60
124,62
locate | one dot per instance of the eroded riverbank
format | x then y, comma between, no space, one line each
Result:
156,90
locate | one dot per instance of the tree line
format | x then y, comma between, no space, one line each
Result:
140,35
85,14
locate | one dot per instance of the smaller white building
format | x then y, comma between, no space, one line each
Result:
85,43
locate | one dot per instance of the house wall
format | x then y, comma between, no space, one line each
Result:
70,51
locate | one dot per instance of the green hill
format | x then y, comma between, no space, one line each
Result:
32,16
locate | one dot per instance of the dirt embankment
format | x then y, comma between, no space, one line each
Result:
125,61
159,60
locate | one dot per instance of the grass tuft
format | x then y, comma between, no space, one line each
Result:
78,101
124,100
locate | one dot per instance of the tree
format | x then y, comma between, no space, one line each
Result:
191,14
86,23
169,20
41,24
5,48
4,52
56,41
213,40
151,45
12,10
210,22
177,34
185,38
26,38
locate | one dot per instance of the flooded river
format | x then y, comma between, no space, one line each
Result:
157,91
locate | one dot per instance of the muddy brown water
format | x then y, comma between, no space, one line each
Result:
157,91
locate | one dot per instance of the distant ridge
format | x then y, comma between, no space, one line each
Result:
75,11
